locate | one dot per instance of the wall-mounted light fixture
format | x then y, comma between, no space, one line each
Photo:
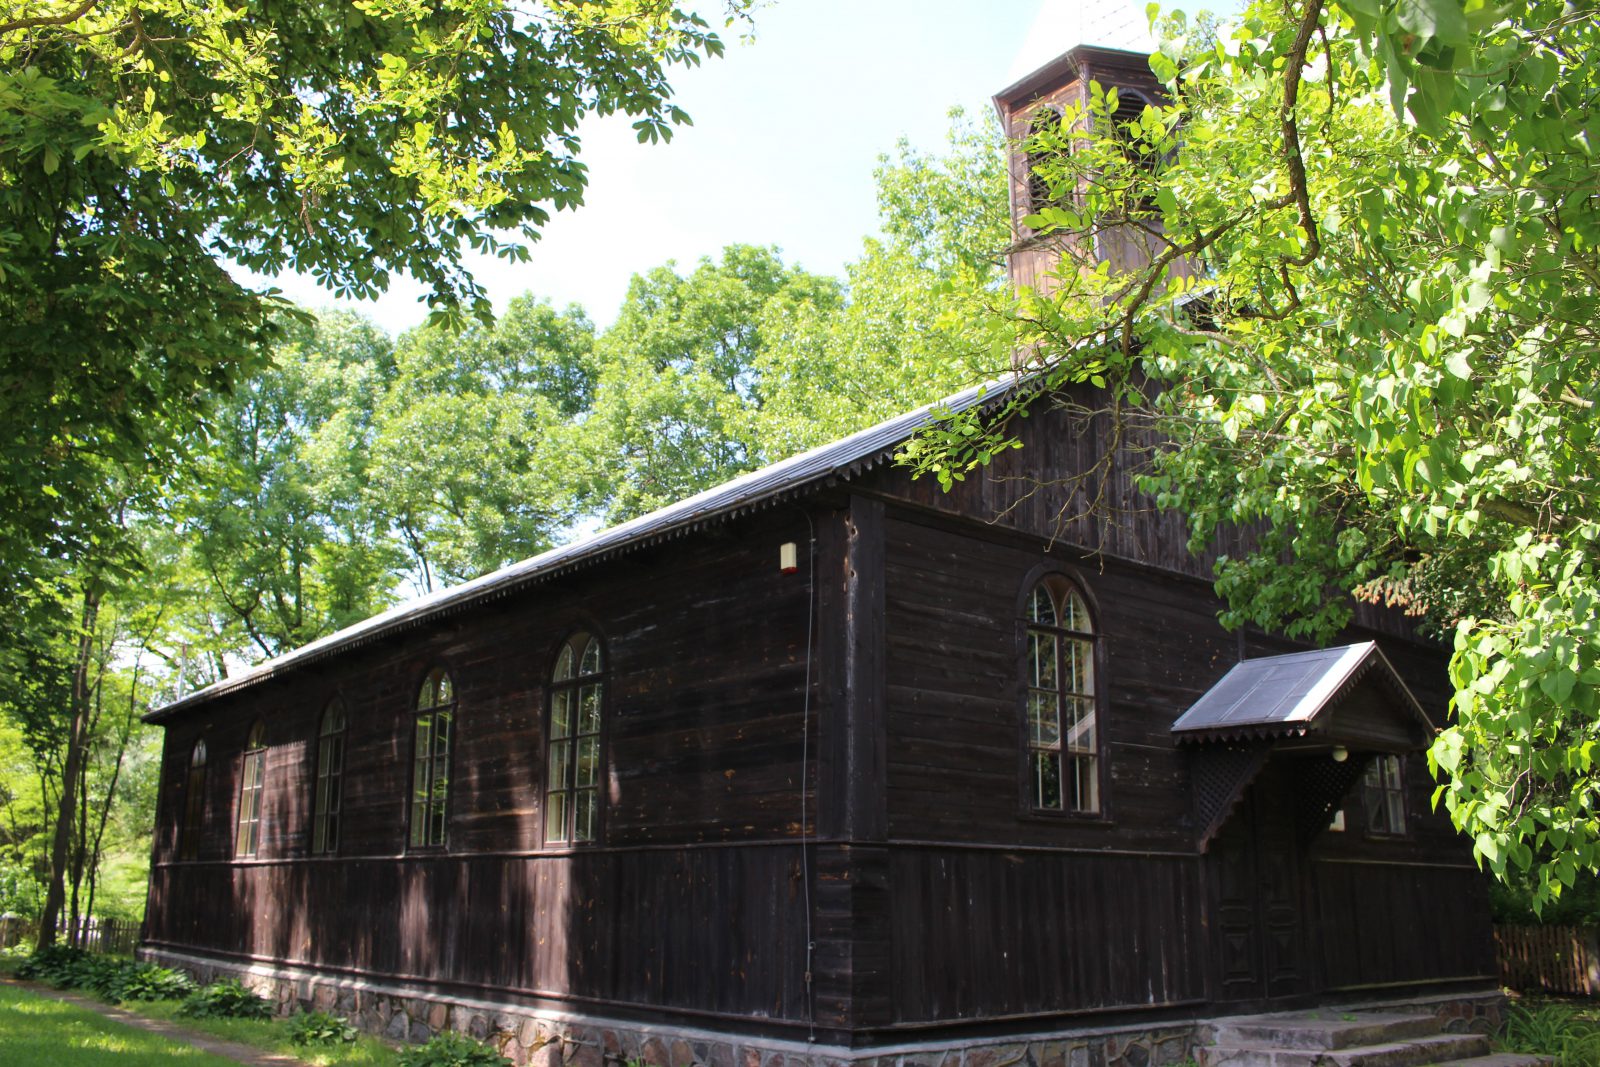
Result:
1340,753
788,558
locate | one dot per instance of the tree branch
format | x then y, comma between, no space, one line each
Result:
39,21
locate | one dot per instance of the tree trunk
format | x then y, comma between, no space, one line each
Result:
72,770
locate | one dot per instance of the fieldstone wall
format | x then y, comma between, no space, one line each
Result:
532,1038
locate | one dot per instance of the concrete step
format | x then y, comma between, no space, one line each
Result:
1500,1059
1412,1052
1322,1029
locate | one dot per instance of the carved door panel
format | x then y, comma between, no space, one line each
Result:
1255,865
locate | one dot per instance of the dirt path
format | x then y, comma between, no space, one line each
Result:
251,1057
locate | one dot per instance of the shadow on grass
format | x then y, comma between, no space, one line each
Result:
36,1031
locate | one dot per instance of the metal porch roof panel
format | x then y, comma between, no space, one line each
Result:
1279,694
760,488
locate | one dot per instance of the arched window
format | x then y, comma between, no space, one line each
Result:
430,761
194,804
252,768
572,774
1141,156
1063,751
1044,122
330,775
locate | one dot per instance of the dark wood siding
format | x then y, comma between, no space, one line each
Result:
690,903
704,929
1079,931
954,659
1076,900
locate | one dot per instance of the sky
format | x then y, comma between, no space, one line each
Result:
786,133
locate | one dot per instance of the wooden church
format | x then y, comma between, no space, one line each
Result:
827,764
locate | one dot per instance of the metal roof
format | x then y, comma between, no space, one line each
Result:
1285,694
749,492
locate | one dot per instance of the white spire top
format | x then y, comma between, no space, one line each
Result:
1063,25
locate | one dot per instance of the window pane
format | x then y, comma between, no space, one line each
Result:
1083,784
588,762
1079,724
555,817
437,690
441,736
560,770
330,765
561,714
1041,608
583,820
1044,719
1077,614
1047,781
564,664
247,831
1042,659
333,719
591,658
1079,667
1391,771
589,709
319,821
436,820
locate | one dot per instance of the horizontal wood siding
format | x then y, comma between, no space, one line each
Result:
980,934
707,929
955,703
706,656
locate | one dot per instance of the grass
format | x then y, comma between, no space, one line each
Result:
36,1031
272,1035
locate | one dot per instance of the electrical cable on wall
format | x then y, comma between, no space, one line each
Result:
805,763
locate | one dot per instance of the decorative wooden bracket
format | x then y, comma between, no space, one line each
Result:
1221,773
1322,784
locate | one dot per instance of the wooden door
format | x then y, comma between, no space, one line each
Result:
1255,879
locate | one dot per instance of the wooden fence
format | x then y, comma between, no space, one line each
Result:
108,935
118,936
1549,959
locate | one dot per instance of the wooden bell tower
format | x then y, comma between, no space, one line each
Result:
1071,44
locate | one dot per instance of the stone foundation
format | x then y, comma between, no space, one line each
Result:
536,1038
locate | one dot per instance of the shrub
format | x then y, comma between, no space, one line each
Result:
49,963
147,981
227,999
452,1050
320,1028
1556,1030
108,977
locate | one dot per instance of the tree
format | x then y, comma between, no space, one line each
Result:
746,361
142,145
917,323
681,376
1365,324
474,455
271,499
